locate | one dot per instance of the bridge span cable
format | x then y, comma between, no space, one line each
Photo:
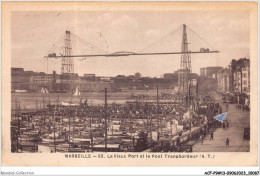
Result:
56,44
200,37
89,43
162,38
51,50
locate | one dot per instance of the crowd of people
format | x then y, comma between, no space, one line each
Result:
163,96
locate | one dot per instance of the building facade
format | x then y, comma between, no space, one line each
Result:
210,72
240,74
96,86
223,80
39,81
246,79
20,79
68,82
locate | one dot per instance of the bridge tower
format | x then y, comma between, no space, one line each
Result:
185,69
67,63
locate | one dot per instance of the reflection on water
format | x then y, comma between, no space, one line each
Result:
37,100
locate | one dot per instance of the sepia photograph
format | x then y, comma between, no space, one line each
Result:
129,81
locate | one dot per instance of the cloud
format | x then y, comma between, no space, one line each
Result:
125,22
152,33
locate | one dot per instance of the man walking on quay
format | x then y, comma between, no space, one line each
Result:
227,143
201,140
211,135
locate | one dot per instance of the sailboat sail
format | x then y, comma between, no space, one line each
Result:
77,93
68,104
44,90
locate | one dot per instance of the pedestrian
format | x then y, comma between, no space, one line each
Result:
227,107
227,143
211,135
223,125
201,140
220,124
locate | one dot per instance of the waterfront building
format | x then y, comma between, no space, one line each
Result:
210,72
41,80
223,80
20,79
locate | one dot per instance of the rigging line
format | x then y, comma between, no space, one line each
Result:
58,41
58,44
200,37
89,43
89,46
92,46
166,35
101,35
77,41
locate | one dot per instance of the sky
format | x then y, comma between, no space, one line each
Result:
35,33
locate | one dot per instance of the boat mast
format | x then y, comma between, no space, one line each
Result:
91,136
105,119
36,104
157,98
150,119
43,107
49,100
69,118
54,122
18,130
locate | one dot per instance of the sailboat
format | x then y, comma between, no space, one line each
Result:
44,90
69,104
77,92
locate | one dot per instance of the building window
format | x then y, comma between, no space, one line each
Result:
244,75
244,82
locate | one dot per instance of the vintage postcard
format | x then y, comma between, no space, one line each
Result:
129,84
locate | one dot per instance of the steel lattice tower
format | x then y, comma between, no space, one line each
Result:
185,69
67,63
185,57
